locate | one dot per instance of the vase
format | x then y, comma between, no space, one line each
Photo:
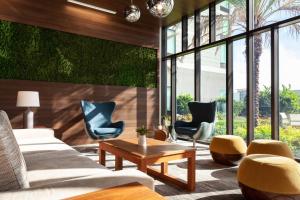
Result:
142,140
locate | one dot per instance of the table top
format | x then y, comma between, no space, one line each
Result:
155,148
124,192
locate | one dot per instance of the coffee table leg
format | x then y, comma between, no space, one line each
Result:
191,172
102,157
164,168
142,166
118,163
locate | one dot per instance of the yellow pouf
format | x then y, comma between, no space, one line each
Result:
265,176
273,147
227,149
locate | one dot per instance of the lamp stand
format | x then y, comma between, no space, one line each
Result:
28,120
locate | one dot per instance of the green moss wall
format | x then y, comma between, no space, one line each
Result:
32,53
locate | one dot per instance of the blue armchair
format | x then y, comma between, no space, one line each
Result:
97,118
202,124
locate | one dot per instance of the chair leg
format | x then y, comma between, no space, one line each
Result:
194,143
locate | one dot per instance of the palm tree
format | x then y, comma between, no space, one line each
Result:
265,12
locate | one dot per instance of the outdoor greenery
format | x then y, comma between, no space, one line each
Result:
182,103
32,53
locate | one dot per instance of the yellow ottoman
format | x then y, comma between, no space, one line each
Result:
265,176
227,149
273,147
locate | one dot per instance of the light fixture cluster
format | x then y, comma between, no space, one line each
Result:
158,8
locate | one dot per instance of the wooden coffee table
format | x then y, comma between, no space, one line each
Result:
157,152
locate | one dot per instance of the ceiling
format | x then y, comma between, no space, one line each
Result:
184,7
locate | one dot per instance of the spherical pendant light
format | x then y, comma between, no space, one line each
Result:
160,8
132,13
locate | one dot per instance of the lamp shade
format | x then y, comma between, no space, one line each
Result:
28,99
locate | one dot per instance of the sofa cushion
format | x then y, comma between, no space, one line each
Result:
13,170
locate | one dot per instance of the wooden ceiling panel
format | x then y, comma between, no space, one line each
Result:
64,16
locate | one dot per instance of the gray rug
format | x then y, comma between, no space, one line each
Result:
214,181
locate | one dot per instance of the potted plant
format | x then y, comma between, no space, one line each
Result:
142,135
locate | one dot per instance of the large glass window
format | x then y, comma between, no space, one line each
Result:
270,11
213,82
191,32
174,39
230,18
184,85
262,90
239,88
204,27
289,91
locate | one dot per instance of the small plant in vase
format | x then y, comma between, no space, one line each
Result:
142,135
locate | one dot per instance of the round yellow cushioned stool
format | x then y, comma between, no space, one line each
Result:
227,149
273,147
266,177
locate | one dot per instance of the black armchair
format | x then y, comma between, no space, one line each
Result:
202,124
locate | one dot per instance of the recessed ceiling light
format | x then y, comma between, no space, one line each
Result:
92,6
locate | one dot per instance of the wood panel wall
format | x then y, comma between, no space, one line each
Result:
60,108
63,16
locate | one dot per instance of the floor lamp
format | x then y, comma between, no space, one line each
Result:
28,99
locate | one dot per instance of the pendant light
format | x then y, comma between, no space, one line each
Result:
132,13
160,8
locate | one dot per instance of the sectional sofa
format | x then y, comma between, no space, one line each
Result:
55,170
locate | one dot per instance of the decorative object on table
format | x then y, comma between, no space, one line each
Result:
28,99
228,149
269,177
132,13
273,147
203,122
142,136
97,118
160,8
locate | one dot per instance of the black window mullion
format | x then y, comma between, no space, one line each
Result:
250,89
250,15
229,87
212,22
197,29
173,90
198,75
163,74
184,27
275,82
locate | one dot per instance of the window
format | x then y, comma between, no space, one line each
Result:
191,32
204,27
239,88
289,87
174,39
230,18
270,11
184,85
213,82
262,93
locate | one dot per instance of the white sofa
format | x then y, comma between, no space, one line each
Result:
57,171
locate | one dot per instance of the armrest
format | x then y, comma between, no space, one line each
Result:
182,124
119,124
206,131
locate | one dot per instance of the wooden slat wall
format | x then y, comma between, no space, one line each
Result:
60,107
63,16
